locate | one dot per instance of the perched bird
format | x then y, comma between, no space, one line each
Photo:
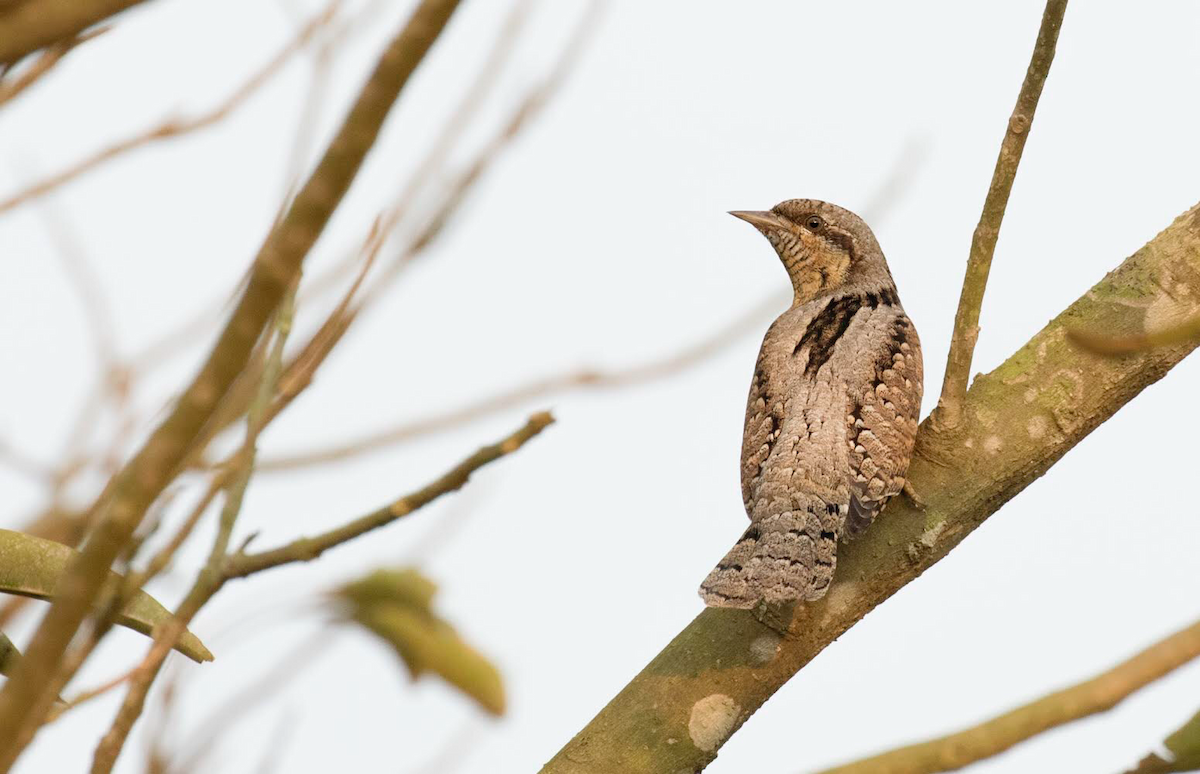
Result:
832,412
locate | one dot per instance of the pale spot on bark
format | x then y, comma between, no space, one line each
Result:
1167,311
764,647
986,417
838,599
992,444
1037,427
969,443
1030,395
930,536
712,721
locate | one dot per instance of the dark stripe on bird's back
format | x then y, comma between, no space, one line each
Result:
827,327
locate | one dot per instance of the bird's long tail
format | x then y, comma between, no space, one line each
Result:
782,557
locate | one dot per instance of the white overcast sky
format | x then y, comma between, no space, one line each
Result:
601,239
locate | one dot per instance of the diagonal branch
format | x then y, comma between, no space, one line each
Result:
45,63
580,379
983,243
174,127
25,698
1099,694
1017,422
208,582
307,549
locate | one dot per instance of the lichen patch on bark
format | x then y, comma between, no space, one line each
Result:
712,721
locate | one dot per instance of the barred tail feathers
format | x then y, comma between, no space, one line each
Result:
782,557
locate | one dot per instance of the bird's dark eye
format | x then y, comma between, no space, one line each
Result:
814,223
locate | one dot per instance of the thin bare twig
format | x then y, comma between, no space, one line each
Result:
527,110
983,243
163,557
390,219
97,311
24,698
220,567
306,549
46,61
1090,697
208,582
171,128
300,369
18,461
210,730
83,697
580,379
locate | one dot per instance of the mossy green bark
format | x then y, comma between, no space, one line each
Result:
1017,421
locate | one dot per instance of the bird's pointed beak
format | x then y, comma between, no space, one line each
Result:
762,220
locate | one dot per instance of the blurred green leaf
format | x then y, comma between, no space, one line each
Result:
1104,344
395,605
1185,744
31,567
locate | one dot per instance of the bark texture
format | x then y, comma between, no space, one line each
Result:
1018,420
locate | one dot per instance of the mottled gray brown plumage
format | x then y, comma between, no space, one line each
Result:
832,412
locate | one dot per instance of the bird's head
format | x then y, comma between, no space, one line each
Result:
822,246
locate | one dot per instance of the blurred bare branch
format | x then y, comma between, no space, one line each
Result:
387,221
898,182
306,549
203,741
18,461
1098,694
28,26
45,62
77,267
539,389
177,127
459,186
26,696
236,478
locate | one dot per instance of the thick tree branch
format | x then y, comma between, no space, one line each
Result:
24,698
983,243
307,549
1016,422
1099,694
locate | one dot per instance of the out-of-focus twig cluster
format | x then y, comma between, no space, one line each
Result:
251,375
